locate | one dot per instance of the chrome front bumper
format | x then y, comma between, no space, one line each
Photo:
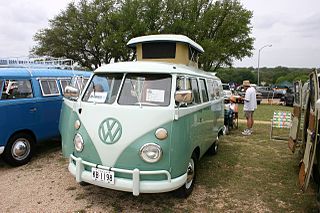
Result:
1,149
134,185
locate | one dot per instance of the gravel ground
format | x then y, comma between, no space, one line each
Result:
45,185
40,186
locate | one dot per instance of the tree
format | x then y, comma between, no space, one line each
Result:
271,76
81,33
94,32
236,75
224,38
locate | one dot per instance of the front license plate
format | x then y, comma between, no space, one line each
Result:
102,175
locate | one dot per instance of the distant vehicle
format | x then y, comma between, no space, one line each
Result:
288,97
266,92
30,105
226,91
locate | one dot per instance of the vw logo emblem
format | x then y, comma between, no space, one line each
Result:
110,131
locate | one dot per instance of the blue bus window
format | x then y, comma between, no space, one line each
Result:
15,89
49,87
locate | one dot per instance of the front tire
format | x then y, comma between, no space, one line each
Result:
19,149
213,150
185,190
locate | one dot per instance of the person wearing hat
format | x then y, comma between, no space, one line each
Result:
250,104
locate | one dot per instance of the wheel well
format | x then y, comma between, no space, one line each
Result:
220,133
25,131
197,152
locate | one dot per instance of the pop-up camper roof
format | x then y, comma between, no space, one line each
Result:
167,47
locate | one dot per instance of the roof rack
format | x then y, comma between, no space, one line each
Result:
36,62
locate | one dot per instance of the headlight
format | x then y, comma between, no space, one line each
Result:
78,142
161,133
151,152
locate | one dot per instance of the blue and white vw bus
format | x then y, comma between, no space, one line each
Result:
142,126
30,105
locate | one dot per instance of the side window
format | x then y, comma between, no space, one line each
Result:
220,89
49,87
216,89
211,89
195,91
14,89
64,83
183,83
204,92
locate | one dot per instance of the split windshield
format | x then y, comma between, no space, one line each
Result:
137,89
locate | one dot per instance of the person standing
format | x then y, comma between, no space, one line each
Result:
250,104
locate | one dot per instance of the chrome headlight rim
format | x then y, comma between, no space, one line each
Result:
78,144
145,157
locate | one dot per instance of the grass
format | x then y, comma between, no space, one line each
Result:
254,173
264,112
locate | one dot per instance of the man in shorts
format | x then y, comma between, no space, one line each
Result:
250,104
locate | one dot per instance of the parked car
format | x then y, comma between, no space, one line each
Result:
30,105
109,145
266,92
227,93
288,97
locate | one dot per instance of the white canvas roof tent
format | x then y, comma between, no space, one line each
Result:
165,38
170,48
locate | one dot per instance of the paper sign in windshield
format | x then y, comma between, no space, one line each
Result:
98,97
155,95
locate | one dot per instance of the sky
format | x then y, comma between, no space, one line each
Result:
292,27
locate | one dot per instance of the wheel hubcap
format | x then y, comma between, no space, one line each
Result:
20,149
190,173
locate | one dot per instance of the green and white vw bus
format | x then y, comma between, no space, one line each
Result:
142,126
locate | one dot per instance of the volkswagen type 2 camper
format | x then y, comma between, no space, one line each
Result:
30,105
142,126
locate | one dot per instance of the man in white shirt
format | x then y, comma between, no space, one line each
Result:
250,104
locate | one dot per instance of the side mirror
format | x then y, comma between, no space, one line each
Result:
183,96
71,92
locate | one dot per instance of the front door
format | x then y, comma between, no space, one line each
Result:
310,132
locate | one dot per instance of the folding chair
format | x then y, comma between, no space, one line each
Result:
281,120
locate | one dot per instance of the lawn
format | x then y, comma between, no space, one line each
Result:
264,112
254,173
